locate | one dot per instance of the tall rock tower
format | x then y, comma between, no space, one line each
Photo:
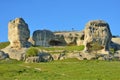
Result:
97,31
18,33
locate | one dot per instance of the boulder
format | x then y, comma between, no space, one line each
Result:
3,55
18,54
62,56
34,59
45,57
87,56
18,33
117,55
97,31
55,56
42,37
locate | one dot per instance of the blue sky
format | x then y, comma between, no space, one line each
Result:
58,15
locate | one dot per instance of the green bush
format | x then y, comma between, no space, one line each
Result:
95,47
32,51
4,44
112,50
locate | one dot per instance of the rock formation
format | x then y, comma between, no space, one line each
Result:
72,38
42,57
116,40
58,40
42,37
97,31
18,54
45,57
31,41
115,43
34,59
3,55
18,33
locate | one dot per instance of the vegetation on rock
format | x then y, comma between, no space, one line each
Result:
95,47
67,48
32,51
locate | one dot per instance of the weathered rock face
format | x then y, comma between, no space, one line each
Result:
97,31
31,41
58,40
45,57
80,38
74,38
18,54
42,37
35,59
115,43
18,33
116,40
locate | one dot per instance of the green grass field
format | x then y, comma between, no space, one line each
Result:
69,69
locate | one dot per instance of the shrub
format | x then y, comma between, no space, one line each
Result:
32,51
95,47
112,50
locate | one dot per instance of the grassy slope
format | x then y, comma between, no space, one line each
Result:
62,48
4,44
70,69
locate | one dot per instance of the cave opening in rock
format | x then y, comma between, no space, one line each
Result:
55,43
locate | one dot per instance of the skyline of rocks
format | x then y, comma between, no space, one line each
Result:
20,40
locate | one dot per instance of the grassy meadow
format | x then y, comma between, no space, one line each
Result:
69,69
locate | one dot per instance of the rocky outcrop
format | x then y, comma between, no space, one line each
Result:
42,37
72,38
31,41
34,59
97,31
45,57
18,33
115,43
58,40
18,54
116,40
3,55
42,57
